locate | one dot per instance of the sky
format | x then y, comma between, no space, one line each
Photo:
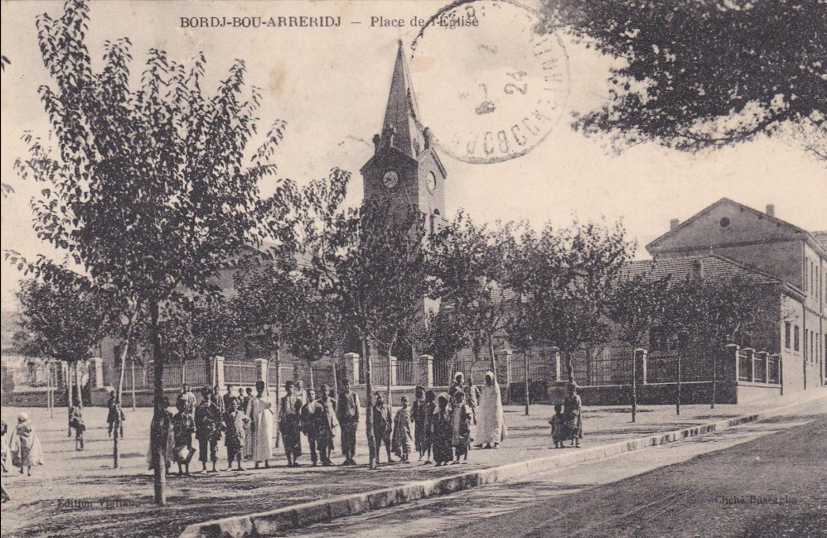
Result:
330,85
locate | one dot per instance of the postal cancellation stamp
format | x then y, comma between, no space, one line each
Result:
508,89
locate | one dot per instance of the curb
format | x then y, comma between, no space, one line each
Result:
276,522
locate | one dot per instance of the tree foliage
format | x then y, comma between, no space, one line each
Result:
695,74
150,190
63,319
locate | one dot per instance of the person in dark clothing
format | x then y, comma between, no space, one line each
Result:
347,411
183,426
382,427
441,432
208,426
115,417
235,422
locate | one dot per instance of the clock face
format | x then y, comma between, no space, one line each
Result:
390,179
431,182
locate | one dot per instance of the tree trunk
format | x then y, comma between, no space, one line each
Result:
78,384
69,396
678,388
634,385
368,409
714,378
570,366
119,396
132,372
335,379
277,359
312,378
525,381
160,471
390,376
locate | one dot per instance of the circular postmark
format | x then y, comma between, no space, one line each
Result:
489,86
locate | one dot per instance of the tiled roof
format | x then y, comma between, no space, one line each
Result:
714,266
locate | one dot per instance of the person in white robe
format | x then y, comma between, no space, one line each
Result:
260,412
491,430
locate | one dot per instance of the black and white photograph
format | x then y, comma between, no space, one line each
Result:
413,268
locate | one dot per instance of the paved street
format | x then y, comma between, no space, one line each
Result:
758,479
40,503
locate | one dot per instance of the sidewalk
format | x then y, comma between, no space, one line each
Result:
37,507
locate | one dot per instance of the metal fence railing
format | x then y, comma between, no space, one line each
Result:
759,366
239,372
405,372
774,370
745,359
285,373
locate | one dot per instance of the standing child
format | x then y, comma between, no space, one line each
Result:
461,418
290,424
208,428
420,416
402,438
382,427
25,445
430,409
558,433
236,423
310,413
441,432
183,426
325,426
76,422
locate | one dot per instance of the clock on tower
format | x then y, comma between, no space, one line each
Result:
405,168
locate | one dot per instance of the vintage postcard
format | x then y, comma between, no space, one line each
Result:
414,268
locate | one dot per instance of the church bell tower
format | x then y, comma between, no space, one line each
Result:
405,168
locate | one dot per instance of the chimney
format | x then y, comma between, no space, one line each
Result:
771,210
673,224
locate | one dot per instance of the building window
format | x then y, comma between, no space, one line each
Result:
787,335
796,339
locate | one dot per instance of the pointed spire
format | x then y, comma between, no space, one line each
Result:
400,127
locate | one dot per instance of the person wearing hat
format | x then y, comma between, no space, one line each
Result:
325,426
347,410
572,407
208,426
183,426
290,424
260,413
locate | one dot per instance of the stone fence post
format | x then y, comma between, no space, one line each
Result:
393,373
217,371
733,350
350,368
96,373
261,371
426,371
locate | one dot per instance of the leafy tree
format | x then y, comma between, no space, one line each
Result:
470,265
5,188
370,262
695,74
709,313
63,318
150,192
635,306
571,277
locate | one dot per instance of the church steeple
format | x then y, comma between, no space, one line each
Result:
400,127
405,169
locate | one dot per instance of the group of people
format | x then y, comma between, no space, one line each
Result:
567,422
442,427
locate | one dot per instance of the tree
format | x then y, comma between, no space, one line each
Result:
702,74
470,264
635,306
571,277
370,263
63,318
713,312
5,188
150,192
